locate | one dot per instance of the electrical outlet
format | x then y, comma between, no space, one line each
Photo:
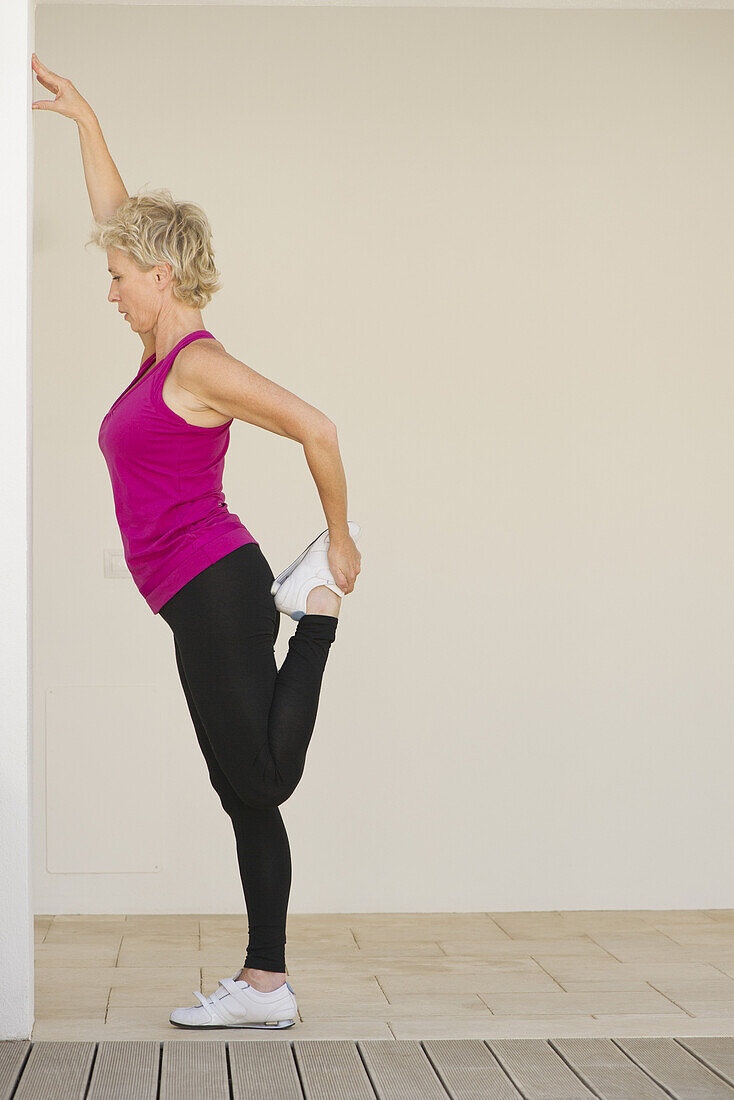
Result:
115,564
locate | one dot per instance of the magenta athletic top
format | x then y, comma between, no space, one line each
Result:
167,485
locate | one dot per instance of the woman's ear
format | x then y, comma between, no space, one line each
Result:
163,273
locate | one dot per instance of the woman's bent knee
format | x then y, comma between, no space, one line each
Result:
266,798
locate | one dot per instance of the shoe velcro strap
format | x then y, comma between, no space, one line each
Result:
211,1007
231,986
240,1001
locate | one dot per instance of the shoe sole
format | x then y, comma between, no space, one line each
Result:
287,572
226,1027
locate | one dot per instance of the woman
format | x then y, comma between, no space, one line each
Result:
196,564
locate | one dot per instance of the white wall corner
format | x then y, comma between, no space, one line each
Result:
16,905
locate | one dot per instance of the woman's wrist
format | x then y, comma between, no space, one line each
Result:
86,118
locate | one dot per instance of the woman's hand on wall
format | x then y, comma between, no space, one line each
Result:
104,184
68,100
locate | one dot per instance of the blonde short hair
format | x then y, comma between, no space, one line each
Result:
152,228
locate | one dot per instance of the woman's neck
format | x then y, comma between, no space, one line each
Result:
172,329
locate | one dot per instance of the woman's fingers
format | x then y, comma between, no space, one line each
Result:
49,80
45,104
44,76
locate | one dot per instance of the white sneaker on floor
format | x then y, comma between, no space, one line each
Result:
310,569
237,1004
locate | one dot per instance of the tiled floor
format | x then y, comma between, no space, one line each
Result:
405,976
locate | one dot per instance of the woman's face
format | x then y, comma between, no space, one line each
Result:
137,294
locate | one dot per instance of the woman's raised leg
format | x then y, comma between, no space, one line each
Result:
258,719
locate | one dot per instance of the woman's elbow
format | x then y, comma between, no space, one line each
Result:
318,432
324,430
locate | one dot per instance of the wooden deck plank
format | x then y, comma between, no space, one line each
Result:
56,1071
715,1052
468,1069
125,1069
13,1053
400,1070
537,1070
331,1069
607,1070
194,1070
265,1070
675,1069
576,1068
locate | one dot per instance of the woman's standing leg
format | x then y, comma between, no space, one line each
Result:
263,855
253,722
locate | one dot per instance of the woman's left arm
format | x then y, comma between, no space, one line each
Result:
232,388
324,462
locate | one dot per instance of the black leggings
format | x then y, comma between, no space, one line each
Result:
253,721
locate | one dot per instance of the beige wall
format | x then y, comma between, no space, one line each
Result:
495,248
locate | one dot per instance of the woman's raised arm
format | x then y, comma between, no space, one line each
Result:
104,184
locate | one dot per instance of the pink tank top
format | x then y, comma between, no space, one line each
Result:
167,485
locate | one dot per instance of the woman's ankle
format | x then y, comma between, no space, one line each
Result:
322,601
262,980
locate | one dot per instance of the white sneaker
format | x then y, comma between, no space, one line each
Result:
310,569
237,1004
